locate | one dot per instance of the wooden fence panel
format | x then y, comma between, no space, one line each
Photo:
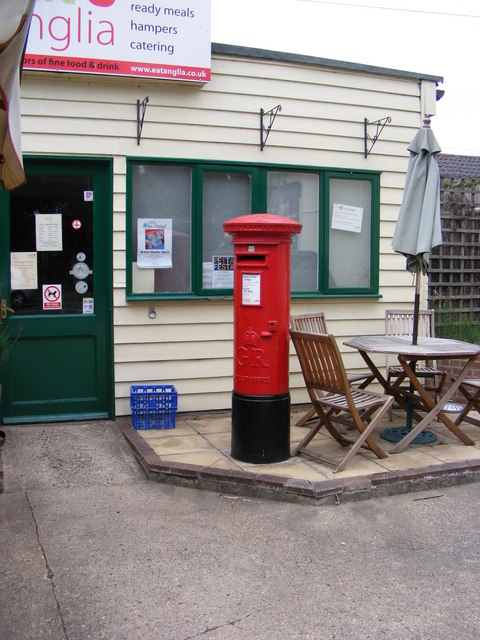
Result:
454,273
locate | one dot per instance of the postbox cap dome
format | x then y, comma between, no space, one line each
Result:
268,222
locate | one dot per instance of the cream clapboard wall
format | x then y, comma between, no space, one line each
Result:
189,343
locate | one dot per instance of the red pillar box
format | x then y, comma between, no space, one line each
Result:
261,396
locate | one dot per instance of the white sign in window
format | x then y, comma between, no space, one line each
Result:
122,38
154,243
23,270
347,218
222,272
87,304
48,231
251,289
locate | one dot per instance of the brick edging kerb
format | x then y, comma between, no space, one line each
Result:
332,491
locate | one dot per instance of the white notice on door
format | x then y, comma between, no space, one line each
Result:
23,270
251,289
48,231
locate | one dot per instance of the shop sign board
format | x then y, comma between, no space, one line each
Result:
164,40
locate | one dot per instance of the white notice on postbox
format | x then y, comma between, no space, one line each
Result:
251,289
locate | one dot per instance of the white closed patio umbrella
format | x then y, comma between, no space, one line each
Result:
418,229
15,16
417,232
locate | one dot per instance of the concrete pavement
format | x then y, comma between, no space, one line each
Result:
91,550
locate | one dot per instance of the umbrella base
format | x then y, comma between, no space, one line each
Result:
453,407
396,434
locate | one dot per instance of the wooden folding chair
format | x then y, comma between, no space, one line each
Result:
471,390
316,323
399,322
334,400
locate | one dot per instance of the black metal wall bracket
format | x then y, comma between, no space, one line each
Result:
265,131
141,108
380,124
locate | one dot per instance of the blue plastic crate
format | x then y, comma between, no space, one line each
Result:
153,406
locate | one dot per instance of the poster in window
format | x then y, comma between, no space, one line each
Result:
222,272
23,270
48,231
347,218
154,236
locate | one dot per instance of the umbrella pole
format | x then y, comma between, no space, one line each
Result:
395,434
416,308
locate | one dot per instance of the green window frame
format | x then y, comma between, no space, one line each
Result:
341,219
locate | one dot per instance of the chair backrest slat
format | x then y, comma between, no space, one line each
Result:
311,322
321,362
399,322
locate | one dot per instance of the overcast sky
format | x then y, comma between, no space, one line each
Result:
436,37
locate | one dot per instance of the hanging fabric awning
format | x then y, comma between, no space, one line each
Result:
14,24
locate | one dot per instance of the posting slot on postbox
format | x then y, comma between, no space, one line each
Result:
261,397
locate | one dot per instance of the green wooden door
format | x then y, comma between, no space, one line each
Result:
56,233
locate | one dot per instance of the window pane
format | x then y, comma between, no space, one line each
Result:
225,195
349,233
162,194
51,243
296,195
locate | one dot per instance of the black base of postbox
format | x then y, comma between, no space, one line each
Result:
260,428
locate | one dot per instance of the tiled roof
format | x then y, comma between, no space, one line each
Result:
459,166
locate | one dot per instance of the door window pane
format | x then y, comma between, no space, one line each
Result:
225,195
161,196
51,245
296,196
350,233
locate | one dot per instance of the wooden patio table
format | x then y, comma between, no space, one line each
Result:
408,354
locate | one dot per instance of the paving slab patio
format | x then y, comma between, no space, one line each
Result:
197,453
